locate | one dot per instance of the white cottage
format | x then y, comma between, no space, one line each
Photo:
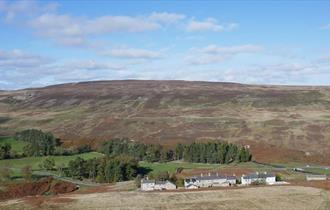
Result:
209,181
265,177
150,185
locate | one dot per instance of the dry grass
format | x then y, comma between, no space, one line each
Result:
294,119
279,197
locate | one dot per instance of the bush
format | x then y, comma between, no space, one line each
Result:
48,164
279,177
179,182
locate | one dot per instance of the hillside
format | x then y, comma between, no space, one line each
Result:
280,123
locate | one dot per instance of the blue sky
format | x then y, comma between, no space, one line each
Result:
254,42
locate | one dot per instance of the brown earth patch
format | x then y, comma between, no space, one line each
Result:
41,187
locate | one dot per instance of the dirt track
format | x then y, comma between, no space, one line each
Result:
280,197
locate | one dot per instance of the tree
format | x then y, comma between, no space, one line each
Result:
39,143
179,151
77,168
26,172
48,164
5,150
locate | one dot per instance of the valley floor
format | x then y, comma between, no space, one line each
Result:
274,197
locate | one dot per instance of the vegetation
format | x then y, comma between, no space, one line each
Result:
39,143
43,151
48,164
215,152
212,152
35,162
120,168
5,150
16,145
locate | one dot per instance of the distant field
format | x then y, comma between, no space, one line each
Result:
172,166
17,146
34,162
318,170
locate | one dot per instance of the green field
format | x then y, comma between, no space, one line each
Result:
318,170
17,146
172,166
34,162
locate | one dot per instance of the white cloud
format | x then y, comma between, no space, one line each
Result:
165,17
92,65
214,54
19,69
18,59
110,24
214,49
74,31
133,53
23,8
210,24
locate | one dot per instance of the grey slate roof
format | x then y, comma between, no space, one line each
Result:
256,176
212,177
147,181
160,182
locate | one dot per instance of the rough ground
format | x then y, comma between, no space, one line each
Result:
44,186
276,197
280,123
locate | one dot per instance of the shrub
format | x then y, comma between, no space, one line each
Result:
48,164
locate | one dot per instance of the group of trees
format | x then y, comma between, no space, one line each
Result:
211,152
44,144
39,143
5,151
119,168
139,151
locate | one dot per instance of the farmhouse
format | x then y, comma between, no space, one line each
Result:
150,185
314,177
265,177
209,181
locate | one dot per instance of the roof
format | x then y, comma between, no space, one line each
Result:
160,182
146,181
258,175
152,181
212,177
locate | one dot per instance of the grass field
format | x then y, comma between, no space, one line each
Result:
172,166
17,164
318,170
16,146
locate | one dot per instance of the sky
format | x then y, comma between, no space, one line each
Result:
252,42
